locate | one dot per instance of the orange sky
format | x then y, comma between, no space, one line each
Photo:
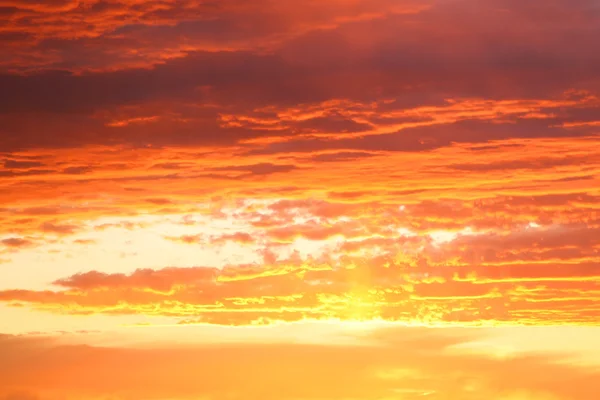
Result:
299,199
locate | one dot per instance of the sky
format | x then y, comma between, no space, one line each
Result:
299,200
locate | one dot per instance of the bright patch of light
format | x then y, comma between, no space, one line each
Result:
302,219
406,232
306,247
493,350
441,237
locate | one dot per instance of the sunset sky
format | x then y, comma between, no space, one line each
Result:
299,200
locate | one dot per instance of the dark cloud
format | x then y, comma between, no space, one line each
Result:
18,164
258,169
79,170
30,172
423,138
342,156
452,50
530,164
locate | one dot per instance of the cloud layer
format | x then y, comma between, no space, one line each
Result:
239,163
406,363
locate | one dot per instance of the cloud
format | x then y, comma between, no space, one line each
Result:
84,241
257,169
408,361
238,237
437,284
386,159
79,170
190,239
342,156
368,52
59,229
16,242
18,164
146,278
149,34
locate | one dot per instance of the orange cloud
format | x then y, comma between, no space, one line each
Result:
16,242
239,237
57,33
419,287
407,362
